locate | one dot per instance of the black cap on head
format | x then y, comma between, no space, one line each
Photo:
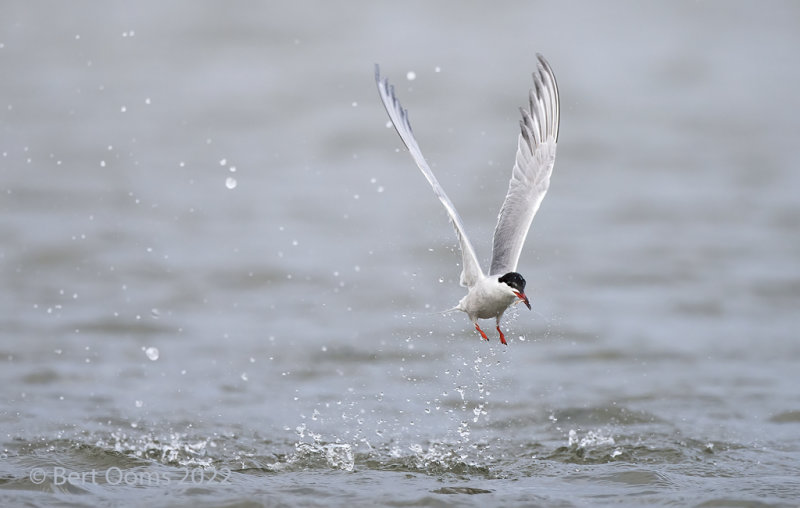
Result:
514,280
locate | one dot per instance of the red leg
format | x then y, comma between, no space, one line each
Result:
481,332
502,337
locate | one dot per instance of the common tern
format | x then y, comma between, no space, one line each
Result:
490,295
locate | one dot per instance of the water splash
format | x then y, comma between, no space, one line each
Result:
317,452
173,449
439,457
591,439
335,455
151,352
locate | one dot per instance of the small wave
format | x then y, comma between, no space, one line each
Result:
318,455
603,415
786,417
436,458
594,446
175,449
461,490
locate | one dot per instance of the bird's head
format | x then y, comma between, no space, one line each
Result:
516,284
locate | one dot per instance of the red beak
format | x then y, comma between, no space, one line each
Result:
524,299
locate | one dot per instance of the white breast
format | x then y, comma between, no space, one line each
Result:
487,299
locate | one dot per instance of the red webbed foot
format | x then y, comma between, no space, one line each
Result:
481,332
502,337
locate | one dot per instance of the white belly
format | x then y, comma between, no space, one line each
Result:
486,299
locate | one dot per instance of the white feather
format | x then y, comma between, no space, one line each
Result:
471,270
530,178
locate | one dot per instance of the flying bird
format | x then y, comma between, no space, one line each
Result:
490,295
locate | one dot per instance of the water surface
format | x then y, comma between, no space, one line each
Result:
221,275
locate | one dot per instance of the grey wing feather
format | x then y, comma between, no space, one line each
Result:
530,178
471,271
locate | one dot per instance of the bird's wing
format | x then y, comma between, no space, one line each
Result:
530,179
471,271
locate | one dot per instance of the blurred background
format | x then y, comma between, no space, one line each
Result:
213,251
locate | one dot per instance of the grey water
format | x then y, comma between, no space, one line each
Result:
222,275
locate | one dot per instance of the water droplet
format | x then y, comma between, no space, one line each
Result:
230,182
123,109
152,353
244,376
411,75
139,403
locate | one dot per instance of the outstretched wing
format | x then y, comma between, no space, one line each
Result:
471,271
530,179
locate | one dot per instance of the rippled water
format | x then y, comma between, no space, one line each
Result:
221,276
